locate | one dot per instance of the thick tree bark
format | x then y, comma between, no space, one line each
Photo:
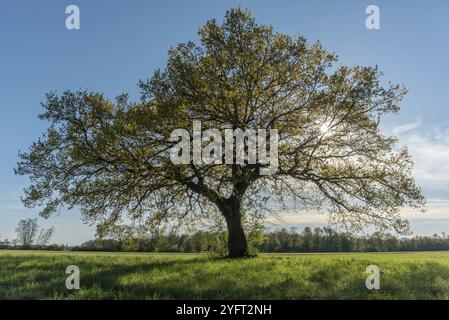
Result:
237,244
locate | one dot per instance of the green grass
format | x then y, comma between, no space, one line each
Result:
41,275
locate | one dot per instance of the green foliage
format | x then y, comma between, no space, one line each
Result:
240,74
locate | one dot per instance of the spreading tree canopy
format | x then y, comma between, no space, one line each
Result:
111,158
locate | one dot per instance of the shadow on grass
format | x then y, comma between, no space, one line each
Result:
201,277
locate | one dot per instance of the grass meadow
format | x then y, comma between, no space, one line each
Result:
41,275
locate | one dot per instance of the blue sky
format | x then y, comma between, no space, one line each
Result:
122,41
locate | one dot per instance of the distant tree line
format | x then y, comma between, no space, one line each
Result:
329,240
171,242
284,240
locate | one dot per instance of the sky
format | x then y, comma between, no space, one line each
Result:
120,42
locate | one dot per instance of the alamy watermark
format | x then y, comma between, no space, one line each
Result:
372,22
72,22
372,282
72,282
207,147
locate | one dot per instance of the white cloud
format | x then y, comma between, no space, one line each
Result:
406,127
429,147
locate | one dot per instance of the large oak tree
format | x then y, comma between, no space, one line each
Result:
111,158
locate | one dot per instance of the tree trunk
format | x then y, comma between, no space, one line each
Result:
237,245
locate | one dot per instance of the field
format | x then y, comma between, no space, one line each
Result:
41,275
